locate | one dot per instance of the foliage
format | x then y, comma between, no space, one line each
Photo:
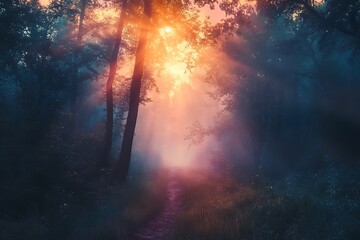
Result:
221,208
282,83
285,72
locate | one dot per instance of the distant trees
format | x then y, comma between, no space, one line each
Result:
295,89
76,66
45,60
323,34
29,58
37,58
328,15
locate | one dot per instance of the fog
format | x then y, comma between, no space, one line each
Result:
248,126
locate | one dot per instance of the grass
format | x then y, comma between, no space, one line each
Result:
219,207
98,214
213,208
126,209
321,205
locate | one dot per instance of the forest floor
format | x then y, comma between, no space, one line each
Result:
208,205
163,223
198,204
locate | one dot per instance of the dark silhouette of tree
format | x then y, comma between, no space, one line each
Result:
122,167
110,82
325,16
186,24
297,92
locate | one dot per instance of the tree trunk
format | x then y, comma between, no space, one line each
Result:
122,167
109,85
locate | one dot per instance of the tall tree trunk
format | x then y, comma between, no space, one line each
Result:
75,80
110,82
122,167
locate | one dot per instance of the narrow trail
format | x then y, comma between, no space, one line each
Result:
160,227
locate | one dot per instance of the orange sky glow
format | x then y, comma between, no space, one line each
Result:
44,2
181,100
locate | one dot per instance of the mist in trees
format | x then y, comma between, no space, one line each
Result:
292,81
96,96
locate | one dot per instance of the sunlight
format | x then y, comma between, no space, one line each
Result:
179,102
176,69
44,2
318,2
295,15
168,29
179,74
104,14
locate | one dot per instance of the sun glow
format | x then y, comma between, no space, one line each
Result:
318,2
44,2
178,98
176,59
176,69
105,14
179,74
168,29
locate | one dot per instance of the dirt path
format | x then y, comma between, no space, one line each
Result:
160,227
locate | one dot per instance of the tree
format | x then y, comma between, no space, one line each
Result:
122,167
326,16
110,82
291,83
183,17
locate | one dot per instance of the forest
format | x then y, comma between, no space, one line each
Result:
180,119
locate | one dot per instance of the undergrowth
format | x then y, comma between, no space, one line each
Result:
218,207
